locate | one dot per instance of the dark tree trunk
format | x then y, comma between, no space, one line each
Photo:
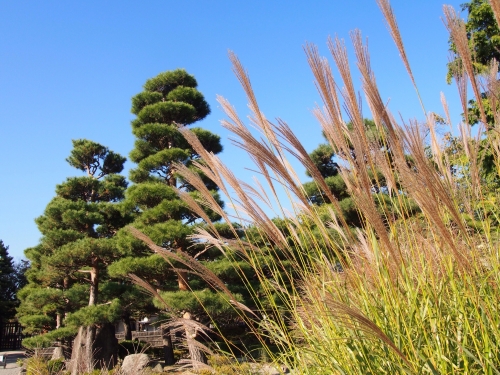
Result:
168,347
98,353
127,327
105,347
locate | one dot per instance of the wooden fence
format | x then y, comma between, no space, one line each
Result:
11,335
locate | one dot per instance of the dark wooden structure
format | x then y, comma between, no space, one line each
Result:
153,338
11,335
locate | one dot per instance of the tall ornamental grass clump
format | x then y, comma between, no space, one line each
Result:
415,289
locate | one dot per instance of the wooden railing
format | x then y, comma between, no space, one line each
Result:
153,338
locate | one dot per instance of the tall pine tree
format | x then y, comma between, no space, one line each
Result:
169,101
68,275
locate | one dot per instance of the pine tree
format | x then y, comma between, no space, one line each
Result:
68,276
8,285
169,101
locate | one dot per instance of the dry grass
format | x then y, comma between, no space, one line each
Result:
414,293
406,292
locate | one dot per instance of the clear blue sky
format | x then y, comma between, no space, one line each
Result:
69,68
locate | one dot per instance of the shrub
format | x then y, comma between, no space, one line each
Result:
55,365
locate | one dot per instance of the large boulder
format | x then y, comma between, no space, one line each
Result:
133,364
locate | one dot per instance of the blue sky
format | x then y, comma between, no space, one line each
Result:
68,70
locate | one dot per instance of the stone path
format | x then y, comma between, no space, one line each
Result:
12,367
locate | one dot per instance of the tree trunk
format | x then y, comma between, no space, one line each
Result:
126,327
94,284
183,280
82,356
79,363
89,346
91,330
100,352
198,357
168,347
105,347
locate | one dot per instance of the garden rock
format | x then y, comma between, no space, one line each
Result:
158,368
133,364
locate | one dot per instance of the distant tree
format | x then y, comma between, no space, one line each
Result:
68,276
483,35
8,285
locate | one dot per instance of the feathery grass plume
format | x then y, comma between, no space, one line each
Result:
360,186
440,158
444,103
331,121
426,187
436,150
458,33
495,6
266,157
191,264
424,184
460,77
393,28
473,148
352,106
259,120
325,86
298,151
195,207
148,288
213,174
195,180
492,87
